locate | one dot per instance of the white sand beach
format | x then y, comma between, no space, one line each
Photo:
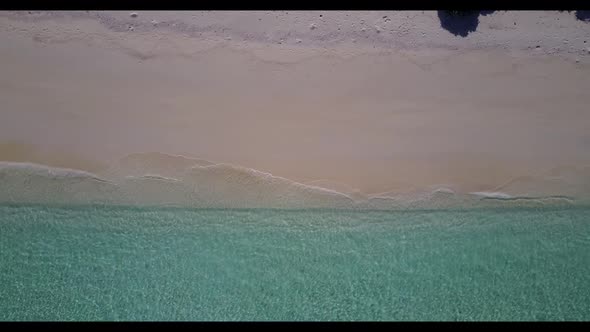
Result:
374,100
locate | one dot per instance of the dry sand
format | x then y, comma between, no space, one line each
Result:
376,100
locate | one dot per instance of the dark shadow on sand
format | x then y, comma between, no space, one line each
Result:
583,15
461,23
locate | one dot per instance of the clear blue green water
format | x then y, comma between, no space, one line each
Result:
100,263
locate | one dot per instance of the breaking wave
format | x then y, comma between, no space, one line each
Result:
166,180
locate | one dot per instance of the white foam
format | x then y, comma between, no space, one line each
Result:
230,186
446,191
489,194
339,187
332,185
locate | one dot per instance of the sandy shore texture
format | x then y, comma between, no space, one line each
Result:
373,101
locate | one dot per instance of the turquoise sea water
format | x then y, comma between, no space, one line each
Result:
116,263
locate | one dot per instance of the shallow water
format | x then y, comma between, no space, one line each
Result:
119,263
